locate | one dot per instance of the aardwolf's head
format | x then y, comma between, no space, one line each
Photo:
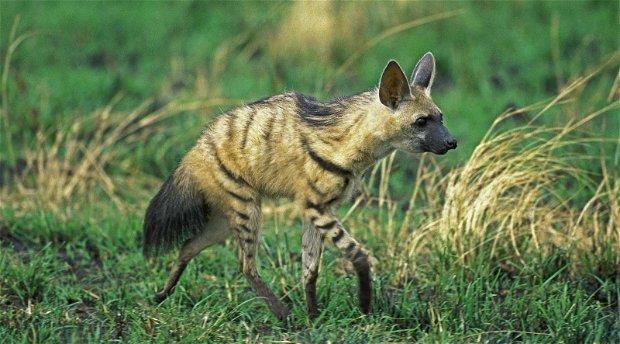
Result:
419,122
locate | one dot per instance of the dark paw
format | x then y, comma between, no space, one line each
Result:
365,307
313,314
160,296
284,316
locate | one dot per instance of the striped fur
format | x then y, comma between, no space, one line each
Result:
294,146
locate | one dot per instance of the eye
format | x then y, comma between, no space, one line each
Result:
420,122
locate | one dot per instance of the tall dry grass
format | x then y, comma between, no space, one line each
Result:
68,167
512,196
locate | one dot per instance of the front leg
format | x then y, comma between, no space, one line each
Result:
323,219
311,246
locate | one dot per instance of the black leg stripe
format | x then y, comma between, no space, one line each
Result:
327,165
317,207
242,216
350,248
239,197
244,228
359,256
327,225
333,200
338,236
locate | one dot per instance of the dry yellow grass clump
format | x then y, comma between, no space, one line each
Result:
510,196
68,167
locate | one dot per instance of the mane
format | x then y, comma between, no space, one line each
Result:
314,112
319,114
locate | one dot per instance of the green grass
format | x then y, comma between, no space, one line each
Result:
64,282
94,284
71,268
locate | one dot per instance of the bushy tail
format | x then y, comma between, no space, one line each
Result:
177,213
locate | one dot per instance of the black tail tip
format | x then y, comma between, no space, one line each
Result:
175,214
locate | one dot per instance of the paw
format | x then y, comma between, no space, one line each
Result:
313,313
160,296
282,314
365,308
285,319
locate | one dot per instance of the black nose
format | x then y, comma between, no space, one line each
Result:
451,143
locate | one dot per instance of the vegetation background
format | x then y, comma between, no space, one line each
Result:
513,237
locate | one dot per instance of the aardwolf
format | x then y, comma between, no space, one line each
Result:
291,145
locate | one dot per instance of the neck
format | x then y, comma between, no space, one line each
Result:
359,138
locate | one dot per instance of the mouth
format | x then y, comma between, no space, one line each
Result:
435,150
439,151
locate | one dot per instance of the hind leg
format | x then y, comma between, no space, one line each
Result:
216,231
246,226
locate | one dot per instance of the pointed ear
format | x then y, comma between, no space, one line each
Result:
424,72
393,87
